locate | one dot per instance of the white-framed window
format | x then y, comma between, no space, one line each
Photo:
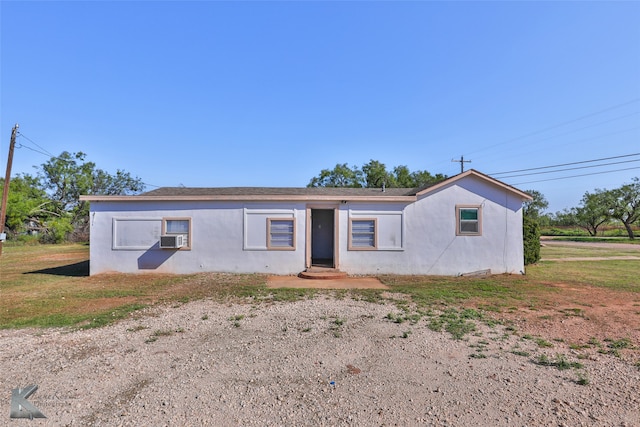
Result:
469,220
363,234
178,226
281,234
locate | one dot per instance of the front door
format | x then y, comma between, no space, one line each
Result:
322,238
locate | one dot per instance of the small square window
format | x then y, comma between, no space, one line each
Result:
178,226
281,234
469,220
362,234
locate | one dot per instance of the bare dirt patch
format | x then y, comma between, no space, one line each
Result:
578,314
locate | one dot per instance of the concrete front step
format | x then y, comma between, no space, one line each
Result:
322,274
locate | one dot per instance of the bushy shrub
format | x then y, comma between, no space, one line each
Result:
531,239
562,231
57,230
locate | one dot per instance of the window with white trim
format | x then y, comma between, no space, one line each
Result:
363,234
178,226
469,220
281,234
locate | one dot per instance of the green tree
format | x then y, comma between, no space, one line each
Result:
624,204
403,177
376,175
566,218
594,211
531,240
535,208
424,178
66,177
340,176
531,216
27,202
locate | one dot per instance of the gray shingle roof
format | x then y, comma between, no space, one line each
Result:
279,191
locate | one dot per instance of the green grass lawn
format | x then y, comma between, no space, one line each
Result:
575,252
48,285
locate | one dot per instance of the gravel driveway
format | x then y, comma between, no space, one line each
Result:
319,362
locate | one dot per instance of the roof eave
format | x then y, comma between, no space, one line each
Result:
473,172
252,198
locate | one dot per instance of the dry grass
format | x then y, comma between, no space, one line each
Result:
49,286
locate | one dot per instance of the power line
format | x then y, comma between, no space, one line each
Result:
44,152
575,176
571,169
566,164
37,151
559,125
604,110
21,135
538,141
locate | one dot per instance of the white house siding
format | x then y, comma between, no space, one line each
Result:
228,236
431,245
498,249
217,239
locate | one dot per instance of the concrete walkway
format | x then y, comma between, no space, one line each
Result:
346,283
547,241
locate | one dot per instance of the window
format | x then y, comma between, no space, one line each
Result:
135,233
176,226
362,234
469,219
281,234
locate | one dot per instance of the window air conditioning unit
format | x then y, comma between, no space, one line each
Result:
174,241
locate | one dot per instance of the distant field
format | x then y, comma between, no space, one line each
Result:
603,231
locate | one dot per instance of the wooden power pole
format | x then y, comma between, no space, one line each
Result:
462,161
7,178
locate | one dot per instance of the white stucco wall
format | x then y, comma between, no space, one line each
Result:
218,239
415,238
431,245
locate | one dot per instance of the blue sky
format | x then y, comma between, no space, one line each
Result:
213,94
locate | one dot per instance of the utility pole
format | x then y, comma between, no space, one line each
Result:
7,178
462,161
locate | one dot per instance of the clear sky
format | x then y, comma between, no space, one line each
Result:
209,93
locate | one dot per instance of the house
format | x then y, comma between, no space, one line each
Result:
467,223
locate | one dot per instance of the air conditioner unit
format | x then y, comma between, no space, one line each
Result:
173,241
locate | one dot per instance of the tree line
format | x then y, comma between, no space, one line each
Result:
374,175
598,208
47,206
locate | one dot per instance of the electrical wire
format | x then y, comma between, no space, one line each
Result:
558,125
21,135
44,152
574,176
521,154
570,169
36,151
538,141
565,164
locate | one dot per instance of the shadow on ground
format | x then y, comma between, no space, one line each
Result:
79,269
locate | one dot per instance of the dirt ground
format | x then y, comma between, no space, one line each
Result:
328,361
579,314
575,315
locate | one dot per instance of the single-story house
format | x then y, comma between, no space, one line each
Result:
467,223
